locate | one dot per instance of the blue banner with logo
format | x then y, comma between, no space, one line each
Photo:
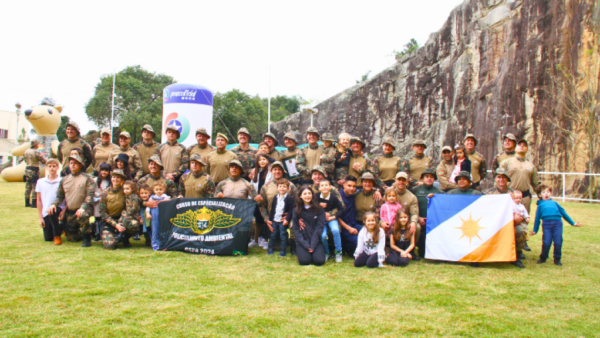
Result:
187,93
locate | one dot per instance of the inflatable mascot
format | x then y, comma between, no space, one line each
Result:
45,121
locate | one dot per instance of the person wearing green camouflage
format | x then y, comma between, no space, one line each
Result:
196,183
358,163
328,157
424,192
130,217
478,163
77,189
418,162
72,141
112,204
173,155
509,144
32,157
463,179
235,186
309,156
135,162
342,159
147,147
101,150
290,154
202,147
386,166
271,141
244,151
156,175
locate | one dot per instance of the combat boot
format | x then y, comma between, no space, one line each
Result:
87,241
34,203
148,239
521,255
557,262
27,204
526,247
518,264
126,243
293,248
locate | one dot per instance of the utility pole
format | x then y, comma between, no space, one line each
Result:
18,106
112,112
269,103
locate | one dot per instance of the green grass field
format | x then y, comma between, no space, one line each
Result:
69,291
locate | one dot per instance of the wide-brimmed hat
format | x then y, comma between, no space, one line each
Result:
148,128
367,176
122,157
271,136
156,159
464,174
449,148
290,136
470,136
320,169
278,164
125,134
245,131
501,171
313,130
173,128
202,131
388,140
429,171
119,172
237,163
76,158
357,139
419,143
510,136
223,136
198,158
105,130
74,125
328,137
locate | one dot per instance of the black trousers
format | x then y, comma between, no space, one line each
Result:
369,260
317,257
395,259
52,227
421,242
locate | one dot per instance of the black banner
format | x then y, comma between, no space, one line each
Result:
209,226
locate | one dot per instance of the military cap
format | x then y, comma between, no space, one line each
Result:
449,148
76,158
156,159
419,143
277,163
74,125
510,136
173,128
470,136
313,130
198,158
357,139
464,174
223,136
148,128
105,130
237,163
320,169
367,176
291,136
523,140
119,172
328,137
429,171
388,140
244,130
124,134
271,136
202,131
501,171
402,174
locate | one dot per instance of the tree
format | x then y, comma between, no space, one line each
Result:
364,77
138,101
282,106
577,113
61,133
410,47
22,138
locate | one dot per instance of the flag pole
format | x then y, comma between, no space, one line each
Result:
112,110
269,103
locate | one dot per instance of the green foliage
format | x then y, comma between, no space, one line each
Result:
22,138
235,109
61,133
138,101
364,77
410,47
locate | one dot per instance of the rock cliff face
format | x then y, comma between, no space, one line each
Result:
484,72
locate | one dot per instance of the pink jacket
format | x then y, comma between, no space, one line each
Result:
388,212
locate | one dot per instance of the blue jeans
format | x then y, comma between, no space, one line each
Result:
349,241
155,239
334,226
552,232
281,231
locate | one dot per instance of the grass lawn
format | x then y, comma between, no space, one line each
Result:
69,291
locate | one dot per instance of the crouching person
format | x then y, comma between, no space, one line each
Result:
130,217
112,204
77,189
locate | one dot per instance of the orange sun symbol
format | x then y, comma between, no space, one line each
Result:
470,228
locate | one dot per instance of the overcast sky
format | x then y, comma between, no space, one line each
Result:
315,48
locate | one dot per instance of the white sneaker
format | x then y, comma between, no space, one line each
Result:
253,244
265,245
338,258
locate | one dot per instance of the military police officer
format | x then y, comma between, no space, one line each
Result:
147,147
217,162
135,162
173,155
271,141
196,183
463,180
235,186
478,164
310,155
418,162
101,151
73,141
509,144
423,192
244,151
32,157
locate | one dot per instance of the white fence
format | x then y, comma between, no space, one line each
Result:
564,185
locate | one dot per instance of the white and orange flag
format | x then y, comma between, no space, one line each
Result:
470,228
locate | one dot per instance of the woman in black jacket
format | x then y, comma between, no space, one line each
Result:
308,220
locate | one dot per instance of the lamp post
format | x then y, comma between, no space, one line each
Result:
18,106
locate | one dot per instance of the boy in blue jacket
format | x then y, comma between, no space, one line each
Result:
551,215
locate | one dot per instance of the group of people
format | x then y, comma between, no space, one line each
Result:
322,200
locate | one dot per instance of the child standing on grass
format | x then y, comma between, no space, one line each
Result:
159,195
551,215
330,203
145,196
283,204
370,249
389,210
402,242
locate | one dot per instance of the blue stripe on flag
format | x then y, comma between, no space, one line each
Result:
443,207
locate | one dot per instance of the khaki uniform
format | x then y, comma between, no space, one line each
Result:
366,202
496,191
364,163
416,165
174,157
443,171
469,191
217,164
203,151
135,163
505,155
196,186
478,166
238,188
64,150
101,153
146,151
78,191
307,158
275,155
32,158
387,166
246,157
522,174
328,162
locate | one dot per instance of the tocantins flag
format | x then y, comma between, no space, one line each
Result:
211,226
470,228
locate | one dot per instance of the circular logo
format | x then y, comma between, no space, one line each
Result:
167,94
182,124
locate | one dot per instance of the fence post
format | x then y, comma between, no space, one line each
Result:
564,187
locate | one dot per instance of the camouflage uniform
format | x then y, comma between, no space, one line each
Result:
328,157
400,165
65,147
504,155
32,158
112,204
130,217
198,185
150,180
175,157
246,157
70,188
135,162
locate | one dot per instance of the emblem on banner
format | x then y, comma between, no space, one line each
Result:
202,221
